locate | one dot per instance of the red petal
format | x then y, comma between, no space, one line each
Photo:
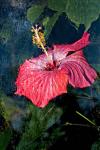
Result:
80,73
83,42
40,86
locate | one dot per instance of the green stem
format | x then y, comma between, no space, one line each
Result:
48,112
76,124
85,118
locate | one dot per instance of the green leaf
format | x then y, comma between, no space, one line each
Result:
83,12
57,5
78,11
34,12
49,22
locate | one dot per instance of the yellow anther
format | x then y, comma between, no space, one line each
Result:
38,38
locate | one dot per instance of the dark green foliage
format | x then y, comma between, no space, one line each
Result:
79,12
5,139
96,145
41,120
49,22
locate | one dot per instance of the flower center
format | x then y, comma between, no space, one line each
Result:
51,66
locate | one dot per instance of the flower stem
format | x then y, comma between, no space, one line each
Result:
48,112
91,122
76,124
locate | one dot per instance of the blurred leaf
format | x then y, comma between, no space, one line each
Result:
96,145
96,90
5,139
6,31
41,120
34,12
49,22
97,67
10,109
92,53
8,106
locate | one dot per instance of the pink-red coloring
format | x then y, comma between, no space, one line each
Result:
43,78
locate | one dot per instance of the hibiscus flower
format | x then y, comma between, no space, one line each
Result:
43,78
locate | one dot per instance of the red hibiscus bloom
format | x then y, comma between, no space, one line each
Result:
45,77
